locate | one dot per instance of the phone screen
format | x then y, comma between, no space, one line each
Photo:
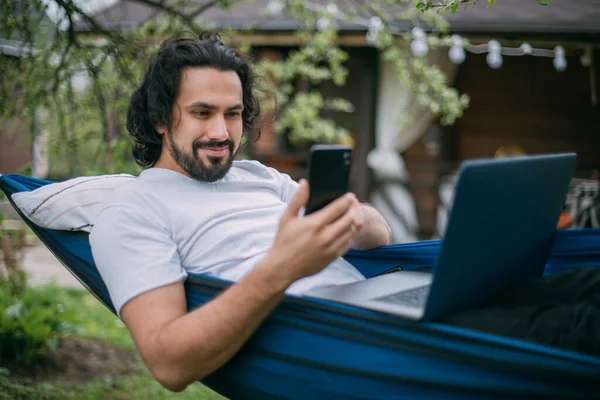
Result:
328,174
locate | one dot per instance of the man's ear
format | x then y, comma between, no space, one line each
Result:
160,129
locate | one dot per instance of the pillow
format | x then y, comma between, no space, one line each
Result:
72,205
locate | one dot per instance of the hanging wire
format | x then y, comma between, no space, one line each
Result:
420,47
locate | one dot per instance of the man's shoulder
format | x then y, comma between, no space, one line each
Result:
248,169
139,194
128,190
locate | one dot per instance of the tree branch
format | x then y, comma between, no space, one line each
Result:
70,8
174,11
61,65
444,4
200,10
101,102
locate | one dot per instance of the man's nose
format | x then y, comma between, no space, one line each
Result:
218,129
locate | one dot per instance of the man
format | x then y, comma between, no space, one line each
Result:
194,209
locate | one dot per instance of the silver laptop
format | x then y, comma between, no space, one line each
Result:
500,231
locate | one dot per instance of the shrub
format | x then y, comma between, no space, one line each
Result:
30,322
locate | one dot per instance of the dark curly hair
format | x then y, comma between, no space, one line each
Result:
152,102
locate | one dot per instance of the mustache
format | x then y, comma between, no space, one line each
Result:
212,144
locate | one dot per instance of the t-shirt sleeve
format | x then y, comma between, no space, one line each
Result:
288,187
134,253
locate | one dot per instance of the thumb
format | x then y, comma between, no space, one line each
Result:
298,201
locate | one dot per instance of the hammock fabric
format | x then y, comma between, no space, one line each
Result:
315,349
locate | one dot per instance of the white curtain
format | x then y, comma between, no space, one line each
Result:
391,196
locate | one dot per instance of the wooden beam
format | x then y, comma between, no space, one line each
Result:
357,39
265,38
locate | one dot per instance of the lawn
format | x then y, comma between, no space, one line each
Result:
97,360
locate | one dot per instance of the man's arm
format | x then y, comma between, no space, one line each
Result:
374,232
180,347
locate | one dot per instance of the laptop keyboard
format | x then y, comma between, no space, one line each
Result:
415,297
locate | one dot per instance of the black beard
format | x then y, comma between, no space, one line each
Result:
195,167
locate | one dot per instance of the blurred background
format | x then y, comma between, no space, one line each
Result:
415,86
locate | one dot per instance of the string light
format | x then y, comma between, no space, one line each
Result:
558,53
332,13
375,26
419,45
323,23
457,51
494,57
560,63
332,9
275,7
526,48
586,57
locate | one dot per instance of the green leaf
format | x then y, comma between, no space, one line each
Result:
544,2
14,311
421,6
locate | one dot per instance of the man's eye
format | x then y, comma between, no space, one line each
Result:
234,114
202,113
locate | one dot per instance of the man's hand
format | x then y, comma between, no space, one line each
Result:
305,245
374,230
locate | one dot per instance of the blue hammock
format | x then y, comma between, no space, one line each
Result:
315,349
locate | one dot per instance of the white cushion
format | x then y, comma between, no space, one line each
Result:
72,205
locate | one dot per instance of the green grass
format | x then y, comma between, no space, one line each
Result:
141,386
95,321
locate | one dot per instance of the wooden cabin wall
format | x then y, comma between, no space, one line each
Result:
528,103
423,167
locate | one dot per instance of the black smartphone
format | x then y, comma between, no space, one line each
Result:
328,174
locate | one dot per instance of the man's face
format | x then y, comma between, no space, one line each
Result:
207,124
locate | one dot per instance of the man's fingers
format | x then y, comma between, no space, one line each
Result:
335,210
298,201
342,226
357,213
341,244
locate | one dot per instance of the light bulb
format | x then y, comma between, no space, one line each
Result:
332,9
375,23
275,7
586,60
323,23
457,54
526,48
417,33
494,59
419,47
371,38
456,40
560,63
494,46
559,51
375,26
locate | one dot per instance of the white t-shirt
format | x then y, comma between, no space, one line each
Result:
158,228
